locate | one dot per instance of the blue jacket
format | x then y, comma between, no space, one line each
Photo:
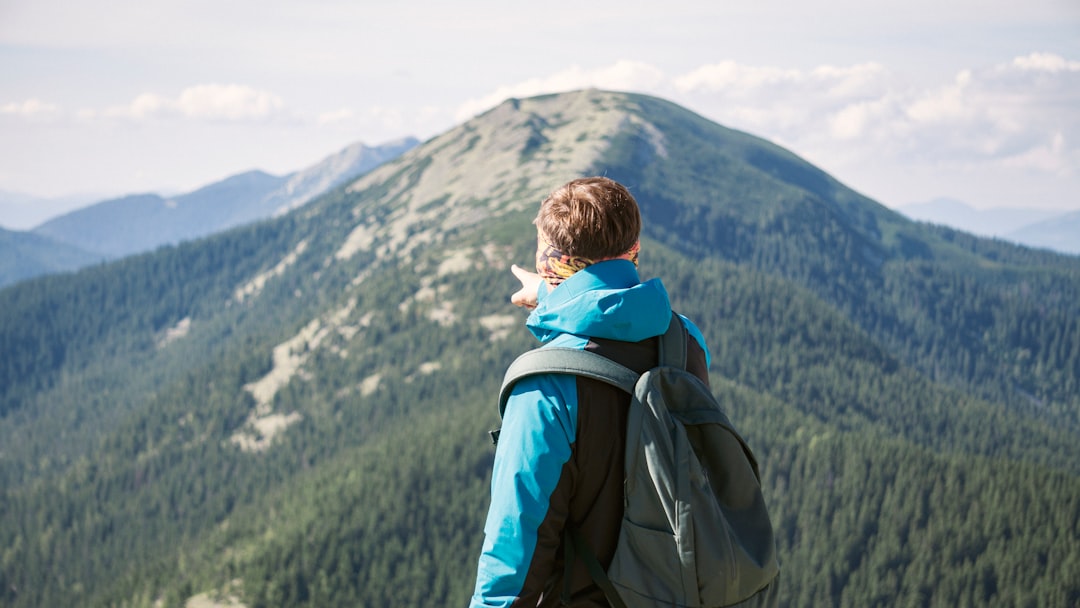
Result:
557,462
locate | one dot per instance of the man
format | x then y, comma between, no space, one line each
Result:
559,460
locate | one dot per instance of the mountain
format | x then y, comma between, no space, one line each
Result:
998,222
1039,228
20,211
141,222
1060,233
24,255
138,223
347,164
294,412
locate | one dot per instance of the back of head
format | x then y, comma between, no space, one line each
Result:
590,217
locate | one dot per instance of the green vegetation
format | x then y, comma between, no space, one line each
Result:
910,392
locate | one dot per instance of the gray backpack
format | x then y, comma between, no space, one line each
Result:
695,530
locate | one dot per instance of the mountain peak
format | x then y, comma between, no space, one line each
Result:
498,162
506,158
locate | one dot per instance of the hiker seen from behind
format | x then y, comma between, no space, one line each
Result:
583,512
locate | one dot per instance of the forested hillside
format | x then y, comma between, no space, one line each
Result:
295,413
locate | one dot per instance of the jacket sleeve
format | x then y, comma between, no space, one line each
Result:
538,431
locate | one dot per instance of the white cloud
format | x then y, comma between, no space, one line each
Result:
229,102
1046,62
146,105
31,108
791,106
729,77
621,76
948,103
854,120
1048,157
1023,109
204,102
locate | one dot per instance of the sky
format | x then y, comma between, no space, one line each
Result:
973,100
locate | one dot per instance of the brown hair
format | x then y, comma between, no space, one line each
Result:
590,217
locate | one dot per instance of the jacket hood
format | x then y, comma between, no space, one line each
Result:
603,300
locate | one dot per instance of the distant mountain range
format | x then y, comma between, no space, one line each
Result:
141,222
19,211
1039,228
1060,233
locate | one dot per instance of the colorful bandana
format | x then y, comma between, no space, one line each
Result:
555,266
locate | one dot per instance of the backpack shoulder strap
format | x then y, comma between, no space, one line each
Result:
673,344
571,361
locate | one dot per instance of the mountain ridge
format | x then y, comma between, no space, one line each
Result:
1060,233
141,222
1039,228
22,212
